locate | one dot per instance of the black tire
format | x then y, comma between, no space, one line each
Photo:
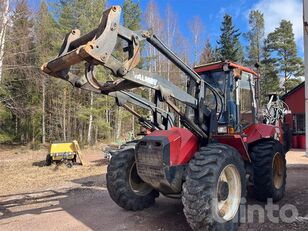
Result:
119,187
200,187
69,163
48,160
264,174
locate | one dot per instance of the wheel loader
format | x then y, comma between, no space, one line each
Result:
219,146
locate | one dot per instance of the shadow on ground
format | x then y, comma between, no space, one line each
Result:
41,163
90,206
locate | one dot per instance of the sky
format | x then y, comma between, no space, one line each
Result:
211,13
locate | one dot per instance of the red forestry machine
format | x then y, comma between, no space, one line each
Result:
221,147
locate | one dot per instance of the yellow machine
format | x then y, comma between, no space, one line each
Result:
64,152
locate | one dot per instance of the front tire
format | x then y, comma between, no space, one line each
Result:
48,160
124,185
213,189
269,170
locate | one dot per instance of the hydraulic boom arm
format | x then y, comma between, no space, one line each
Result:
98,48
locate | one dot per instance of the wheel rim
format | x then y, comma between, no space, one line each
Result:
278,170
229,189
138,186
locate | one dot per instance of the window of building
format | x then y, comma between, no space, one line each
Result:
299,123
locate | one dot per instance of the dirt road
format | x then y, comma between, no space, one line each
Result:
83,203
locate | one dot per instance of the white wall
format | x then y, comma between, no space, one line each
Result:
305,2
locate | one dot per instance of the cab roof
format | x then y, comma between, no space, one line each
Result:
220,64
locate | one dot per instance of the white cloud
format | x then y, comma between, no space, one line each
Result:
276,10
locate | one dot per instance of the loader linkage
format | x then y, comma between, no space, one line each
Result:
97,48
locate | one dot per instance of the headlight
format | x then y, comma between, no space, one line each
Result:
222,129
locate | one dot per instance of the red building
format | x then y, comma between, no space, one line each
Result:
295,99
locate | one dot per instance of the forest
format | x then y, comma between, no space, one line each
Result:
36,109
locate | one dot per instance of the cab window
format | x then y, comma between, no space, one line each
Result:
245,100
217,80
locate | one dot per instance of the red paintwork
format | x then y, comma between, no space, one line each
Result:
183,144
296,102
217,66
301,141
251,134
236,141
261,131
294,142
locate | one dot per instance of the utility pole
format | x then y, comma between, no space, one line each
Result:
305,23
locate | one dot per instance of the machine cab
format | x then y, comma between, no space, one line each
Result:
238,86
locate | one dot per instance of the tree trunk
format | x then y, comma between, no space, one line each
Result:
96,134
133,123
16,126
118,123
81,132
43,110
64,115
2,34
33,128
90,119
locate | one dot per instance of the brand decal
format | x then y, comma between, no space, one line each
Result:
146,79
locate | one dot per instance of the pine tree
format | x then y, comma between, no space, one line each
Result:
229,43
269,81
255,36
131,15
131,20
85,16
20,82
282,44
45,28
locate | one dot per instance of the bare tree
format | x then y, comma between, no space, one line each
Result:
5,16
207,53
171,28
197,30
153,22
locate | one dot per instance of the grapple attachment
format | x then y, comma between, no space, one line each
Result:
96,48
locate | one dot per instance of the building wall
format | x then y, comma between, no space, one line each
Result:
296,103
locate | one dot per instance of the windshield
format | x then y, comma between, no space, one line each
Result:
217,80
231,112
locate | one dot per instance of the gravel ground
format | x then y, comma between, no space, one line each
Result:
35,197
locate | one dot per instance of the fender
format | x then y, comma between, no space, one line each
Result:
236,141
256,132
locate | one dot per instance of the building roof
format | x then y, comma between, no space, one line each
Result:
293,90
219,65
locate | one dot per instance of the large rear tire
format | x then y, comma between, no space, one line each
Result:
269,170
214,186
124,185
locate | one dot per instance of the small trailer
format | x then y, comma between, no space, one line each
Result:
64,153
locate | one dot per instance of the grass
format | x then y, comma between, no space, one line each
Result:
23,170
